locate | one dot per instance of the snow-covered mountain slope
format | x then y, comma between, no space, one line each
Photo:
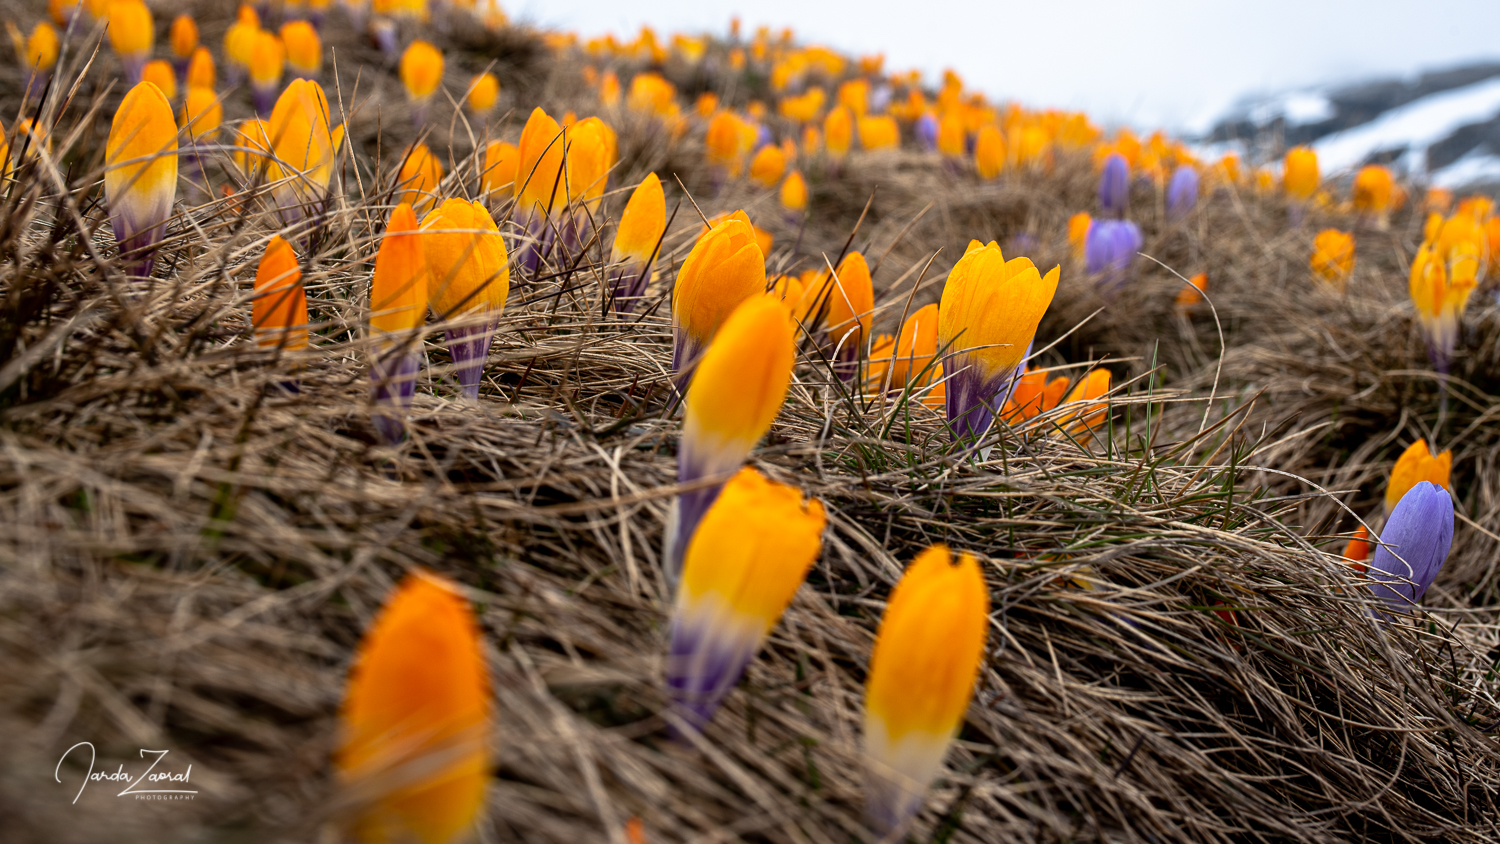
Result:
1442,126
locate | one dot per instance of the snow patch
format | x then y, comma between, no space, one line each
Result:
1297,107
1473,168
1415,126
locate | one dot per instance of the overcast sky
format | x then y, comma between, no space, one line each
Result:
1171,62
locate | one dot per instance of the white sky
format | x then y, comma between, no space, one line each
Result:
1169,62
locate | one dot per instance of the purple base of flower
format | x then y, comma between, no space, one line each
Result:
973,401
36,84
137,247
264,97
691,508
393,380
539,242
470,348
627,284
701,669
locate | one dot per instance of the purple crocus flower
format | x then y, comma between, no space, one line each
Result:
1182,193
1413,545
1114,186
1109,253
763,136
926,131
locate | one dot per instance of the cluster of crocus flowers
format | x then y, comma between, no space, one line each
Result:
140,177
724,268
922,676
279,311
735,394
987,320
132,34
1333,257
416,724
1414,544
637,240
470,281
1444,274
398,306
750,553
1416,464
421,73
1109,253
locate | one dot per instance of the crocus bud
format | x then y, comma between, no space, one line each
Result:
926,130
736,393
1078,232
140,177
1109,253
540,187
1088,414
304,49
484,92
1357,549
1034,395
398,304
723,143
202,114
1416,464
267,62
909,358
1374,190
279,311
160,74
41,50
470,282
415,734
184,38
1114,186
1299,175
838,133
1333,257
989,153
591,150
750,553
767,167
878,132
1182,193
200,70
421,73
849,299
637,240
988,317
1192,294
131,34
419,177
499,178
299,135
922,674
794,195
725,268
1413,545
239,43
